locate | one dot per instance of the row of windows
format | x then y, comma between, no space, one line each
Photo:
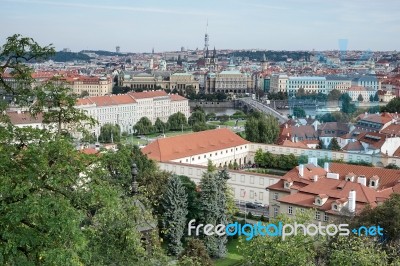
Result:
210,155
290,211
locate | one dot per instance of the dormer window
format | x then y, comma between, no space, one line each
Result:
288,184
335,207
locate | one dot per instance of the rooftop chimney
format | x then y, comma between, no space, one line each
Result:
362,180
352,201
301,170
326,167
315,178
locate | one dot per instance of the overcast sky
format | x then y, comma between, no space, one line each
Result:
139,25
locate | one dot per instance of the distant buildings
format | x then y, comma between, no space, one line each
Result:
365,85
228,81
222,146
159,79
334,190
126,109
92,85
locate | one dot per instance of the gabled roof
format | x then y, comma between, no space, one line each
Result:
172,148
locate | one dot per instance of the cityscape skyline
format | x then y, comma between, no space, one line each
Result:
167,26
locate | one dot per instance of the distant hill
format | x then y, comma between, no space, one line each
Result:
103,53
68,56
275,56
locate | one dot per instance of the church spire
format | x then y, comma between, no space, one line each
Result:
214,53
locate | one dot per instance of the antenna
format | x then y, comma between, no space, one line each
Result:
206,38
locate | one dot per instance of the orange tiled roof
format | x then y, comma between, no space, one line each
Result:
106,100
147,94
166,149
177,97
24,118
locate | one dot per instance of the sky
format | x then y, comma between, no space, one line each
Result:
168,25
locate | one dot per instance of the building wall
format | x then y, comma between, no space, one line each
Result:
127,115
220,158
245,186
375,159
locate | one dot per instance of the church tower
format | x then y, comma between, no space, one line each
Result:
264,63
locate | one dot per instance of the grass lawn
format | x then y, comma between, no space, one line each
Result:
233,257
230,123
142,141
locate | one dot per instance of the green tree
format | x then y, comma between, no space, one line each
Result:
174,214
144,126
251,129
223,119
198,108
211,116
300,92
59,206
320,144
334,145
392,106
177,121
386,215
294,250
299,112
371,98
334,95
354,250
84,94
58,108
347,106
360,98
160,126
195,254
197,117
259,158
213,205
193,198
376,97
110,133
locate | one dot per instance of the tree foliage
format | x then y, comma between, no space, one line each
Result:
143,126
110,133
59,206
392,106
262,129
213,202
175,210
347,106
334,145
299,112
177,121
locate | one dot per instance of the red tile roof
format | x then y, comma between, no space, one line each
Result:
24,118
106,100
177,97
147,94
166,149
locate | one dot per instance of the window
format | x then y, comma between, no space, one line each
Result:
275,196
317,215
261,180
260,195
290,210
275,212
251,179
251,194
242,179
334,206
326,217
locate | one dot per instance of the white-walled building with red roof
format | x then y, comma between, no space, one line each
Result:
126,109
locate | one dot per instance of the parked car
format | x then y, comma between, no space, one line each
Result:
259,204
251,205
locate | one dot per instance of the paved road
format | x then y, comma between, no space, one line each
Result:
265,109
257,211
